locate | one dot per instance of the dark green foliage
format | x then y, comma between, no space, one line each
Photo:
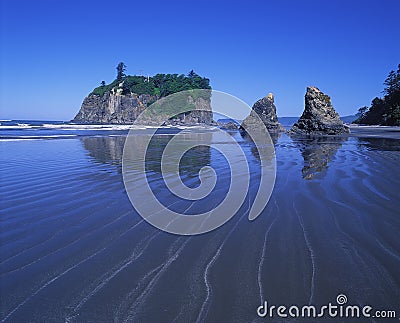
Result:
103,89
392,82
121,67
386,110
361,111
103,83
125,88
192,74
172,83
159,85
138,85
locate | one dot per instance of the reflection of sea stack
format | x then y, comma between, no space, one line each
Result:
266,111
319,116
317,153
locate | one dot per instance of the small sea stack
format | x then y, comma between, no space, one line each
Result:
266,111
319,117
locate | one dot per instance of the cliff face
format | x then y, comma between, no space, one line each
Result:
266,110
112,108
116,108
201,114
319,116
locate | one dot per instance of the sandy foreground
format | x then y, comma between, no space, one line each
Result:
75,250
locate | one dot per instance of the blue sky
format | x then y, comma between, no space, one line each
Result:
54,53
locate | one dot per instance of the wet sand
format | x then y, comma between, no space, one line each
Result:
375,131
73,248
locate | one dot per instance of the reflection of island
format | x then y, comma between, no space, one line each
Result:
109,150
317,152
190,163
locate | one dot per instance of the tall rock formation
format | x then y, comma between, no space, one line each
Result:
266,111
319,117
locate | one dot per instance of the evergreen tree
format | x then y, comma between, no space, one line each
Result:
392,82
121,67
386,110
362,111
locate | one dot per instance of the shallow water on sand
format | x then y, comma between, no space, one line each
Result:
73,248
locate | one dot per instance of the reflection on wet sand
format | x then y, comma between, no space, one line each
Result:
317,153
109,150
380,143
190,163
106,150
267,152
274,136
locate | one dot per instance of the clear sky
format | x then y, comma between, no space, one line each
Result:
53,53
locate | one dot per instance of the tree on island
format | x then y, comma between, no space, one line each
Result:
386,110
121,68
103,83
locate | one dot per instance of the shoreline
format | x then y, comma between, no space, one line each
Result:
389,132
356,126
26,129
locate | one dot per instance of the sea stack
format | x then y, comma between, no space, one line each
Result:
266,111
319,117
125,99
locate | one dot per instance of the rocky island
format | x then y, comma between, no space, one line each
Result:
319,117
124,99
266,111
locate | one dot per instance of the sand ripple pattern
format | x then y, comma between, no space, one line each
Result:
74,250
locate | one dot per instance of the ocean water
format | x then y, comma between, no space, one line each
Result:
73,248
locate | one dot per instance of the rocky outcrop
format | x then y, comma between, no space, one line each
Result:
228,125
266,111
319,117
116,108
201,113
112,108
